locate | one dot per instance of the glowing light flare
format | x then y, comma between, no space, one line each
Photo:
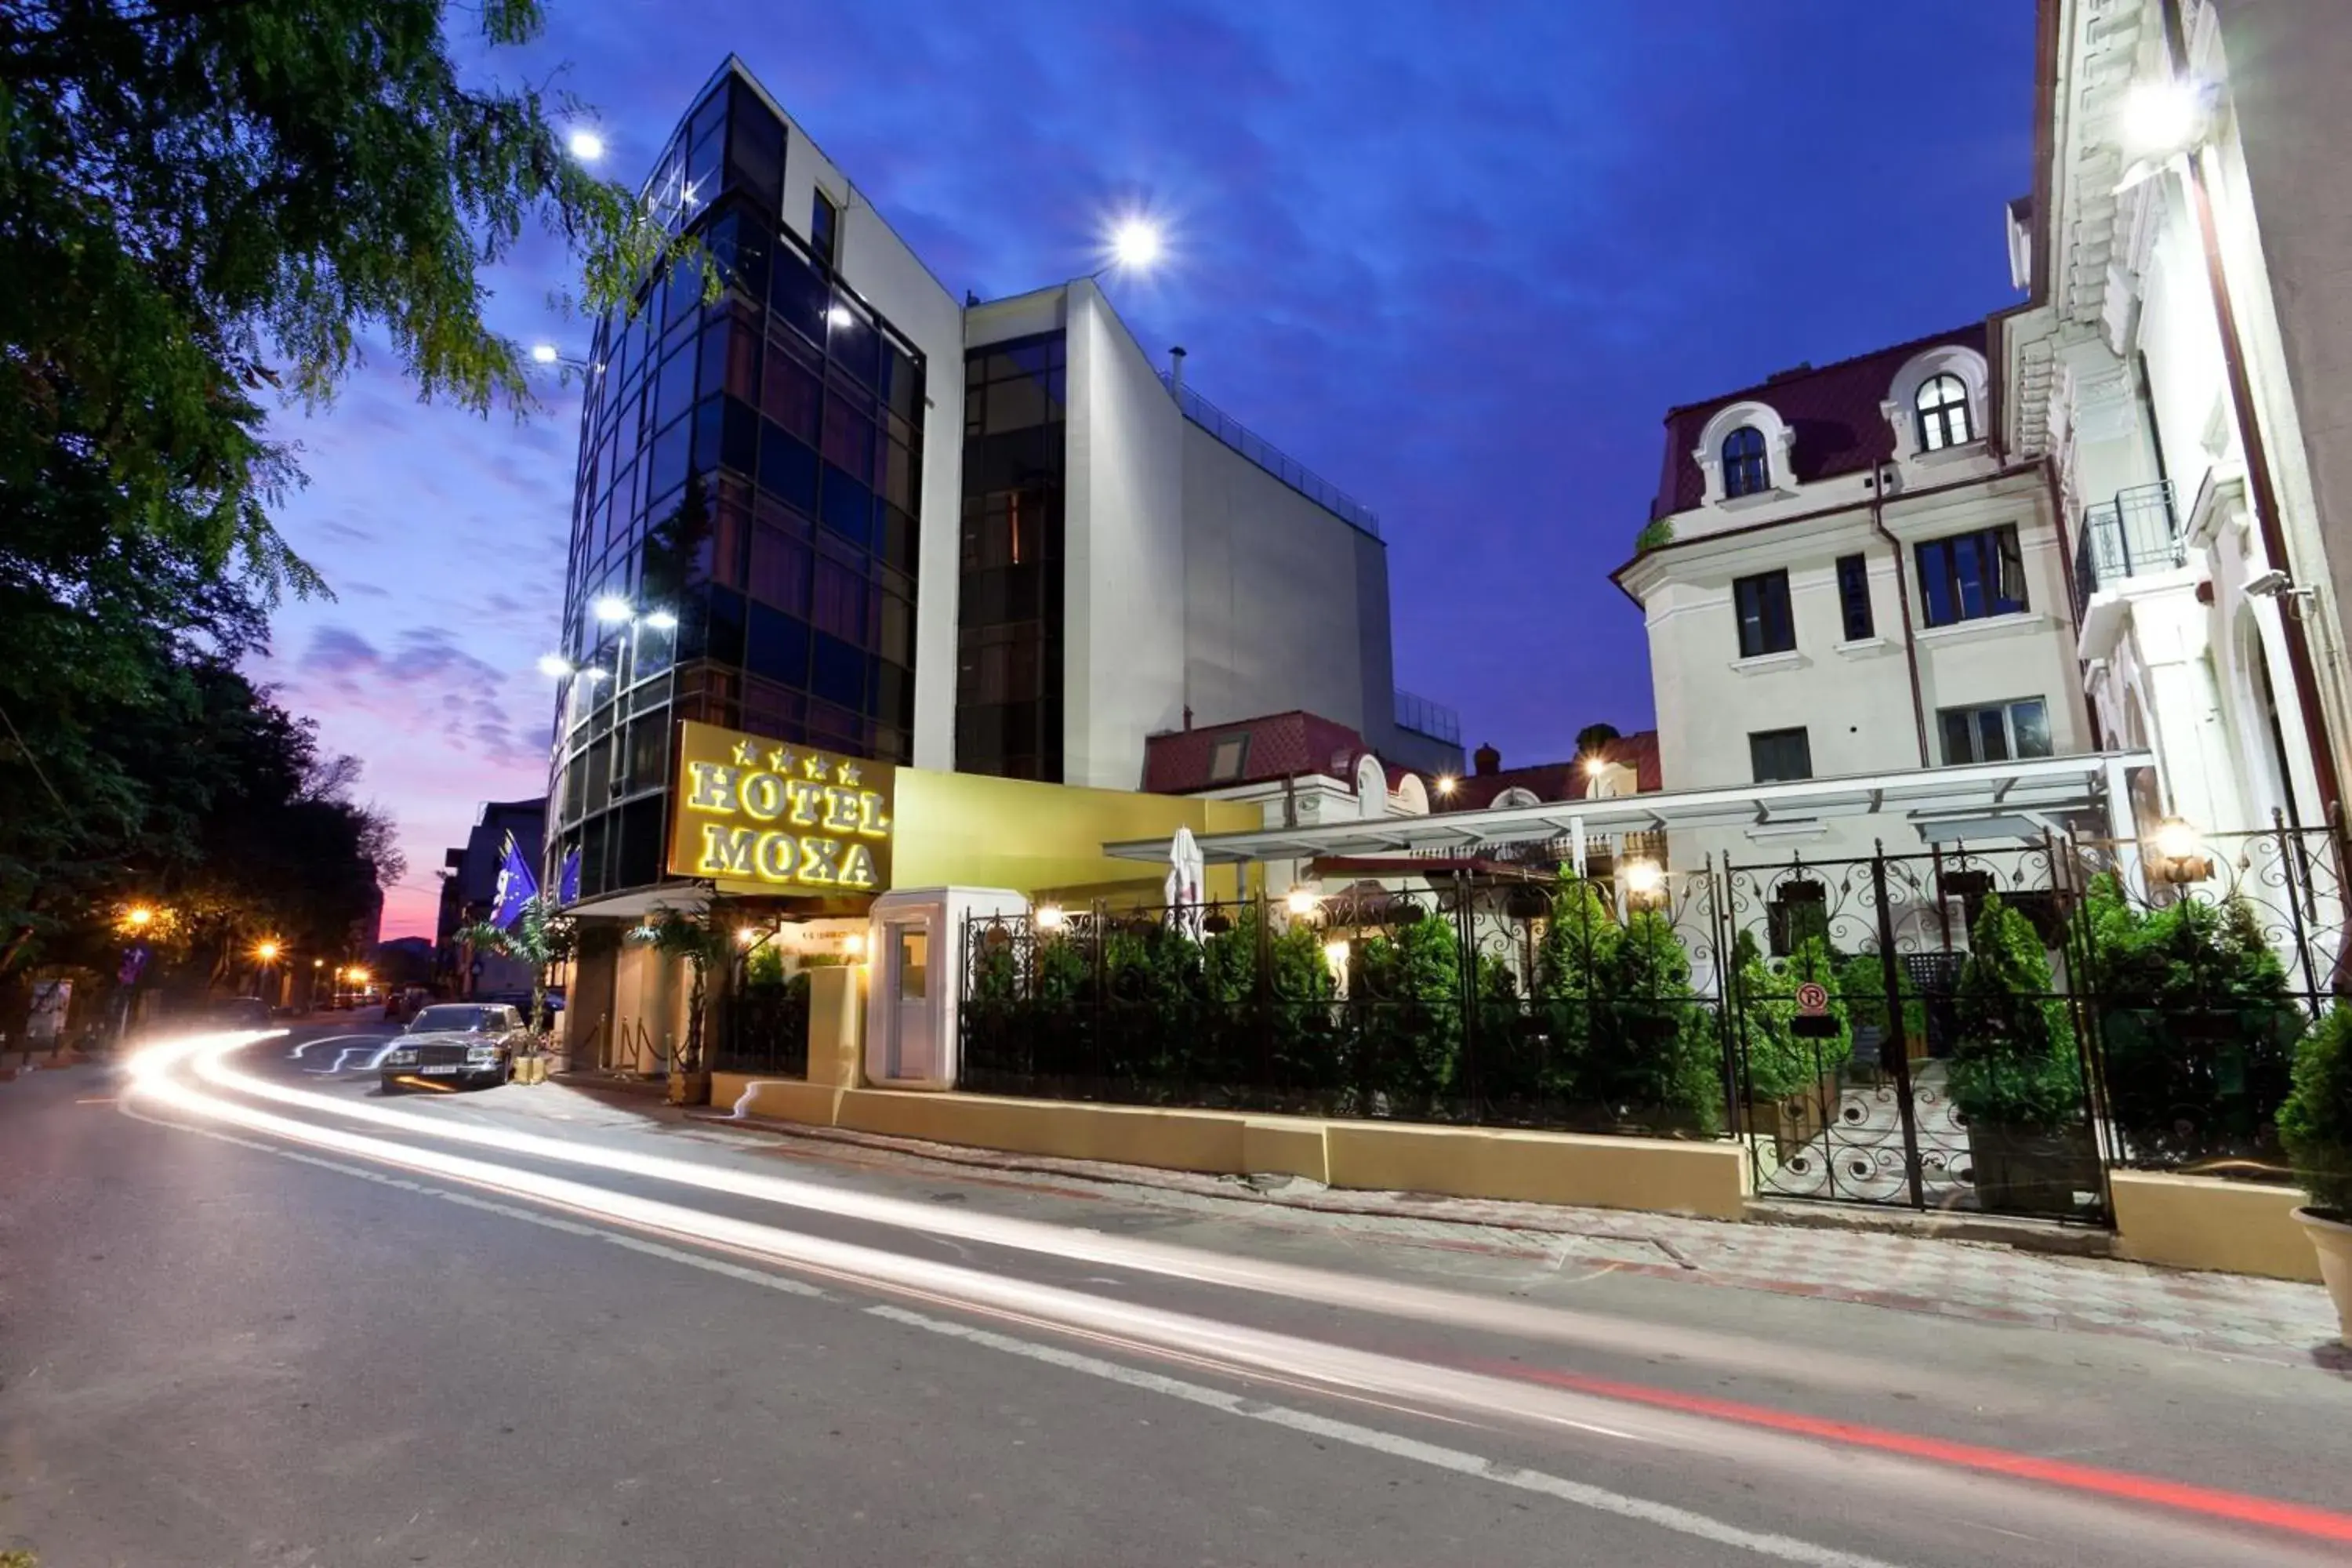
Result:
612,607
1137,244
585,144
1049,916
2159,119
543,353
662,621
554,666
2175,839
1841,1368
1447,784
266,950
1301,901
1295,1361
1335,953
1644,878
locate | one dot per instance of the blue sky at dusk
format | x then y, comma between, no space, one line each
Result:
1459,259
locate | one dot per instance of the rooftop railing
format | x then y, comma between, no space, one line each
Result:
1424,717
1290,471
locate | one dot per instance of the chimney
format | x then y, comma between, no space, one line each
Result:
1176,368
1486,760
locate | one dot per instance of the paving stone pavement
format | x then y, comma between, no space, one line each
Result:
2274,1321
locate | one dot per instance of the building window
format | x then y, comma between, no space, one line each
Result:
1225,762
1010,611
1996,733
1972,575
1745,471
824,229
1853,595
1943,406
1779,755
1765,626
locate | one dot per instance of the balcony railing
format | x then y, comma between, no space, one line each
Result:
1296,475
1423,717
2134,535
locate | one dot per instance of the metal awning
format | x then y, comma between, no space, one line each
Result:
1981,800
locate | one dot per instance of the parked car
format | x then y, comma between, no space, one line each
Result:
454,1043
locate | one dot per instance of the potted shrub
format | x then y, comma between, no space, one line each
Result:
2196,1024
1793,1078
696,939
2016,1075
2315,1125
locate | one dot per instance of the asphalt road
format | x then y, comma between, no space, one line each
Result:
271,1317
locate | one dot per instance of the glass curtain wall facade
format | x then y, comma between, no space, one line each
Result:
1008,652
745,506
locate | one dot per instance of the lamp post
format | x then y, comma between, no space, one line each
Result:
1644,883
2176,853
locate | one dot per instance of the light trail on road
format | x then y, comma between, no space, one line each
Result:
2082,1502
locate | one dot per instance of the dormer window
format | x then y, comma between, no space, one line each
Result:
1943,409
1746,471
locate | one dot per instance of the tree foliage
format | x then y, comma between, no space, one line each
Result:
2014,1066
206,208
538,936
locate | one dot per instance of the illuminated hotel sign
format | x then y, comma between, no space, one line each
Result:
771,818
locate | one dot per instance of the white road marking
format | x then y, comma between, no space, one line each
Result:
1666,1516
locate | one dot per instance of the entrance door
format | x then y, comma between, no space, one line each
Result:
913,1046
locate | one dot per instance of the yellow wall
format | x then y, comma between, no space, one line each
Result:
2203,1222
967,830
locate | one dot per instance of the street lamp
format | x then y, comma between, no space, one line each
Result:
1646,884
1446,784
138,918
2179,853
1050,917
266,950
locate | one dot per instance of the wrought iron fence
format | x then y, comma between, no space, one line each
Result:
766,1030
1970,1027
1488,1001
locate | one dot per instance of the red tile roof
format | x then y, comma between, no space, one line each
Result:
1554,781
1178,762
1832,411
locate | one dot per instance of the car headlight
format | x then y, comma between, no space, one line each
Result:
481,1053
404,1056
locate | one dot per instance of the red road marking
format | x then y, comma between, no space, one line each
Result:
2297,1518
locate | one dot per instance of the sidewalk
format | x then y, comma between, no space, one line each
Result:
2274,1321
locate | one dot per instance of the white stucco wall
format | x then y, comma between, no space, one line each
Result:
1123,594
1853,699
1284,606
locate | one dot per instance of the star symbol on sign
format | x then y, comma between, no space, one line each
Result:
813,766
746,754
847,773
780,761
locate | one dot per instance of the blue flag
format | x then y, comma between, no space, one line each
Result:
516,887
567,877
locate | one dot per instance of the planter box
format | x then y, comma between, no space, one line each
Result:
689,1089
529,1070
2032,1173
2205,1222
2333,1239
1796,1120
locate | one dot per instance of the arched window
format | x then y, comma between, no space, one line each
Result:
1943,406
1745,471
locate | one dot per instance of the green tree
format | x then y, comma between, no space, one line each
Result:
2014,1067
538,936
1405,988
2316,1122
1656,1055
205,208
694,939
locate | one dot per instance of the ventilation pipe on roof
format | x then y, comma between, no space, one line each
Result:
1176,368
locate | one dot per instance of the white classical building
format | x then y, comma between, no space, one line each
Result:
1845,576
2182,363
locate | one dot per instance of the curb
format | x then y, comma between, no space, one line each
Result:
2021,1236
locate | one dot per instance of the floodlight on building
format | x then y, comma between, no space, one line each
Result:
662,621
585,145
2162,118
1136,244
612,607
554,666
1447,784
840,316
